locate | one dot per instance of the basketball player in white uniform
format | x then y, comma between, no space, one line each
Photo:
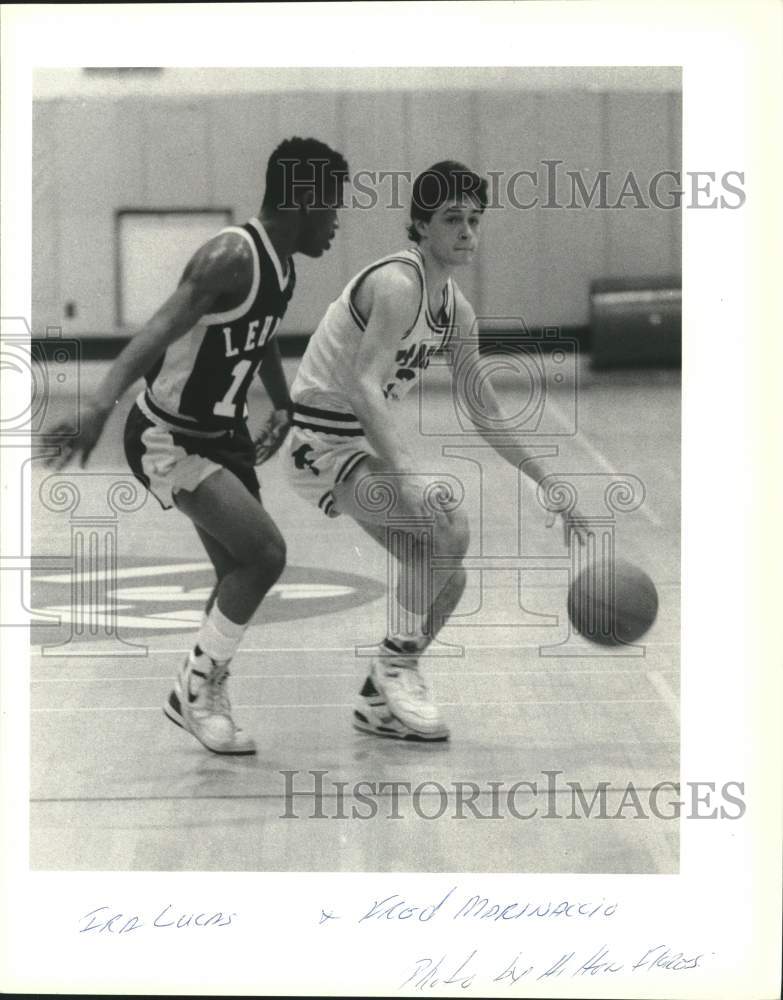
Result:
186,438
368,351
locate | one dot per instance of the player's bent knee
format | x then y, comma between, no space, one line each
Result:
266,558
273,559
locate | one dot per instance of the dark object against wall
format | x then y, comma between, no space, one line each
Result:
636,322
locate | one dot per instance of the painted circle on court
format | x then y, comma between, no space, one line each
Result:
153,596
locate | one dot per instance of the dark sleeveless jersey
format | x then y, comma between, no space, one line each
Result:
201,382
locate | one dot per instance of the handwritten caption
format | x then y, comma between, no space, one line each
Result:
478,908
105,920
471,968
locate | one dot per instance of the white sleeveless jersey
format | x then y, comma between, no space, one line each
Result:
320,389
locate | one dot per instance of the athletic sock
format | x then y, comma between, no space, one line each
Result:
218,637
406,630
406,649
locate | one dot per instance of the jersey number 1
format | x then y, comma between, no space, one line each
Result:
226,407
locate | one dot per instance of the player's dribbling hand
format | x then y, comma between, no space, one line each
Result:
271,435
74,441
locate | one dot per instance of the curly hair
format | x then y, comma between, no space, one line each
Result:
298,164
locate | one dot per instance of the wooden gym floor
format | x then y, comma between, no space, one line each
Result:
115,786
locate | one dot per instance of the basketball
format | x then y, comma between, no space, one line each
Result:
612,608
333,425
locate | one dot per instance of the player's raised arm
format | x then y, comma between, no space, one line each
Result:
394,298
219,274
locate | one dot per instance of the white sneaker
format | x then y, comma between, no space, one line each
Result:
395,701
200,705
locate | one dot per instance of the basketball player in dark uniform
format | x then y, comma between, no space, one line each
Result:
186,438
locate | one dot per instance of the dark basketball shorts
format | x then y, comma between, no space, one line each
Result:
166,460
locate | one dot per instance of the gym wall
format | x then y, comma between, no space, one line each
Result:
97,154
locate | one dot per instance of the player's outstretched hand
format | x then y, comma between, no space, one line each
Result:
74,441
271,435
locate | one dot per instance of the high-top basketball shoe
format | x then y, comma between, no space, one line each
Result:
395,700
200,705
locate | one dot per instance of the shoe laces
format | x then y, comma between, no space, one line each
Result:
217,688
408,676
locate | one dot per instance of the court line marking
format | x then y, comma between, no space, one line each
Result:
127,573
603,461
318,705
310,649
125,678
661,685
311,795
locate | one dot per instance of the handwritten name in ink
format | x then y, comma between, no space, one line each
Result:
106,920
467,909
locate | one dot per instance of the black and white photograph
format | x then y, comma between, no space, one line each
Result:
345,518
426,587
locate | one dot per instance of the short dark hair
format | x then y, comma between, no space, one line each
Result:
442,182
298,164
